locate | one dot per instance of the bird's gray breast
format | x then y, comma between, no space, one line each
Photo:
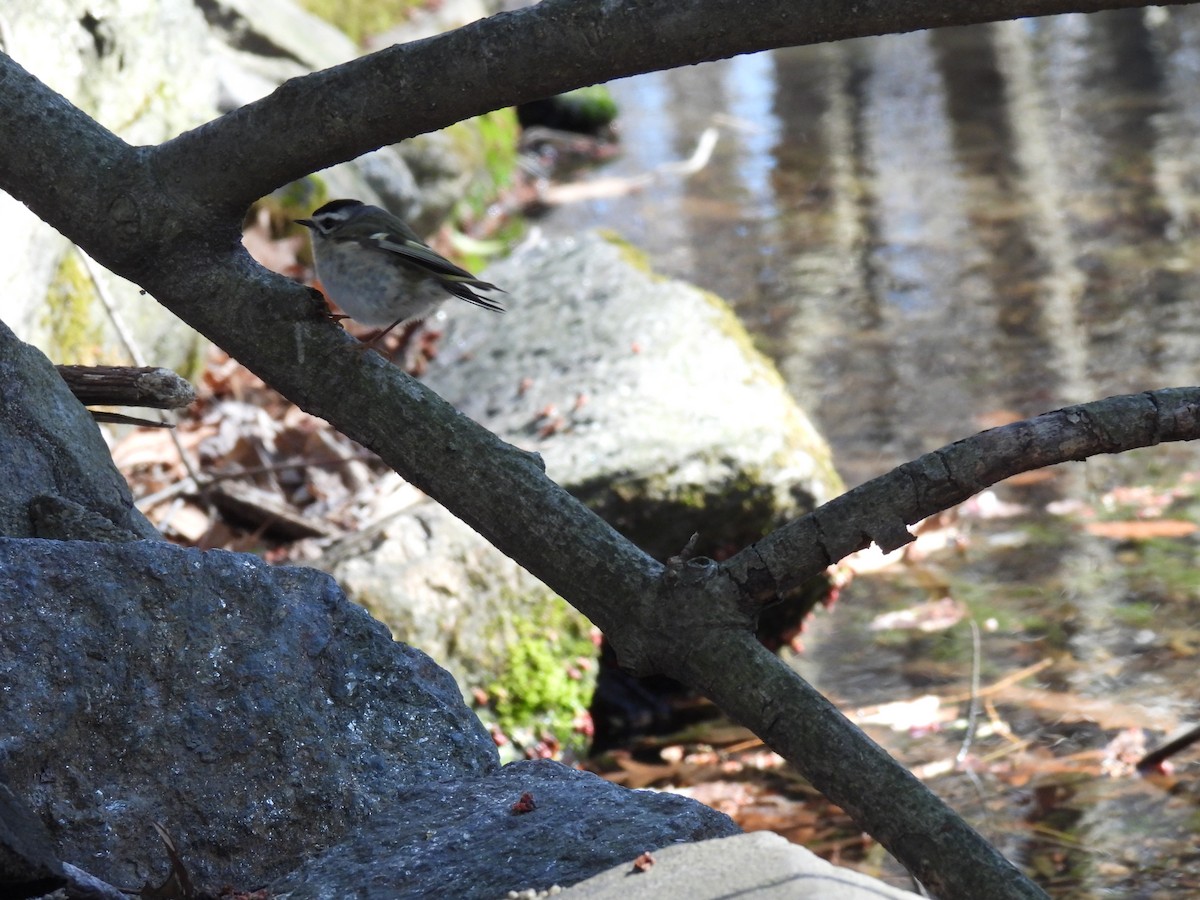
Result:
374,287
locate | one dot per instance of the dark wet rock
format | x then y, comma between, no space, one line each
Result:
265,720
469,838
49,446
28,864
254,711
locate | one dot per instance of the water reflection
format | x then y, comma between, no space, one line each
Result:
937,230
942,224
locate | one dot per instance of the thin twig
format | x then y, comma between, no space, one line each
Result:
131,347
972,721
973,709
1155,758
208,479
1007,681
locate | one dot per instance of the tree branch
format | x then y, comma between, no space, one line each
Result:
309,123
935,845
878,511
147,386
527,54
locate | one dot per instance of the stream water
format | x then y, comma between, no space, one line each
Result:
931,234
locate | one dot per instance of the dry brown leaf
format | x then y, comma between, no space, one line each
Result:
1070,707
188,521
934,615
1141,529
280,255
1037,476
634,774
143,447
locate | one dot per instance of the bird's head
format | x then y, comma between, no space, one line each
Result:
333,215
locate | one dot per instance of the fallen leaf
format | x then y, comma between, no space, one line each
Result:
1141,529
524,805
934,615
922,714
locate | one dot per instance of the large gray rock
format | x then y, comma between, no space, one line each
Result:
470,839
254,711
259,44
758,866
643,395
29,865
142,69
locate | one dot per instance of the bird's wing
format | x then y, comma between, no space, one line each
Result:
456,280
428,259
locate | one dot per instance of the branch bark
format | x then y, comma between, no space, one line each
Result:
147,386
528,54
879,511
167,218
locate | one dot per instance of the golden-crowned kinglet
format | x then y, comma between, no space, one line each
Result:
376,268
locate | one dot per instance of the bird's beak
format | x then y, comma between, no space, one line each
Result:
307,223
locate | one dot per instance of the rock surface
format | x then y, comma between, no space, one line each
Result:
470,839
141,68
643,394
758,866
254,711
29,864
50,447
439,586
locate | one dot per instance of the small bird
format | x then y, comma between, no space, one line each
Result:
376,268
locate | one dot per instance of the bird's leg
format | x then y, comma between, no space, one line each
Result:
370,345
